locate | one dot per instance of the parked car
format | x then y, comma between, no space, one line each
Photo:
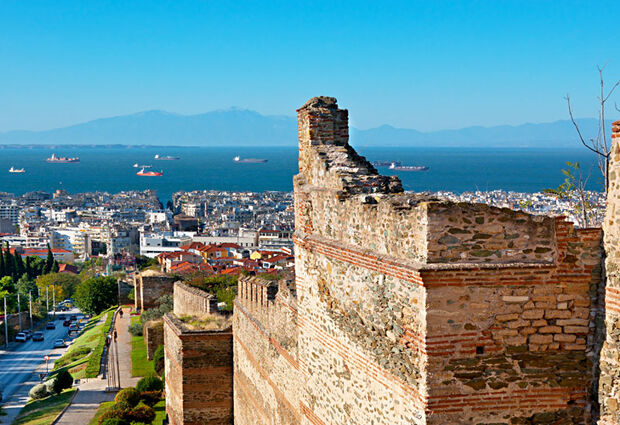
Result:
73,317
59,343
50,325
21,337
66,323
73,328
38,336
28,334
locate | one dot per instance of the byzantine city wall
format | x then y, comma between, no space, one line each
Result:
406,309
413,310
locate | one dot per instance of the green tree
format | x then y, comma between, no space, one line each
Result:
96,294
55,267
19,265
26,285
573,190
65,284
49,262
9,263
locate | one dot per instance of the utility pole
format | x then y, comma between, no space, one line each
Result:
47,300
30,305
54,299
19,312
6,325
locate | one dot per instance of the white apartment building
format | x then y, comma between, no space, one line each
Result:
153,244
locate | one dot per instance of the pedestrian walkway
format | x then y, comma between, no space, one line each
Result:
92,393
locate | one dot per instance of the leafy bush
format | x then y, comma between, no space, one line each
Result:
114,421
38,392
158,360
150,383
63,380
49,384
142,413
165,305
135,329
117,412
130,396
150,398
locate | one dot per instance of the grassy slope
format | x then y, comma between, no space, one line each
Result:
102,408
140,366
93,337
43,412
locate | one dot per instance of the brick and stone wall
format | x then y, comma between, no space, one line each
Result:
266,375
419,311
609,384
13,325
150,286
199,374
153,336
193,301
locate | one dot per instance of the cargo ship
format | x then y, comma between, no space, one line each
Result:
386,163
393,166
166,158
16,170
144,173
249,160
62,159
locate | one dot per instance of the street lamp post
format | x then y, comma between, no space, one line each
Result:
19,312
6,325
30,306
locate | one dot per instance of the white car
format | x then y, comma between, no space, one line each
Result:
59,343
21,337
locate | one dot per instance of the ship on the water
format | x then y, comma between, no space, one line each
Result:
393,166
62,159
386,163
144,173
16,170
136,165
249,160
166,158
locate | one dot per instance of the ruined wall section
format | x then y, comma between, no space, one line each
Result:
150,286
514,345
199,374
192,301
609,384
266,375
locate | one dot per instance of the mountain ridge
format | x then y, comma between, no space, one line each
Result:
244,127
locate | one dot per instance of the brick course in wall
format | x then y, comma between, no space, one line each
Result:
192,301
199,374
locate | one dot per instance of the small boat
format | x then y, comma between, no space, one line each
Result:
136,165
386,163
249,160
149,173
166,158
16,170
393,166
62,159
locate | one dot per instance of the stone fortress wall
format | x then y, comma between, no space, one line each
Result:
609,384
198,364
149,286
411,310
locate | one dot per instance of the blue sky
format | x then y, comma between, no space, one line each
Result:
416,64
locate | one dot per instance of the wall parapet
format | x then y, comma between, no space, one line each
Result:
189,300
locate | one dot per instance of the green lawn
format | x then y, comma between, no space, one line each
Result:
140,366
84,355
43,412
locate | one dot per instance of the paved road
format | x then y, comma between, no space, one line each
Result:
21,364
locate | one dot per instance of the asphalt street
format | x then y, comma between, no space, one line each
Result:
21,364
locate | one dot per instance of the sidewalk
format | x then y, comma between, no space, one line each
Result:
92,393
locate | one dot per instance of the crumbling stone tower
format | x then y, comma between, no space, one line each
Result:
417,311
609,383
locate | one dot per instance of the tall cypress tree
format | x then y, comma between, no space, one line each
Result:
9,262
49,263
55,267
2,270
20,269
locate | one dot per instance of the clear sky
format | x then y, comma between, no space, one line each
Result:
416,64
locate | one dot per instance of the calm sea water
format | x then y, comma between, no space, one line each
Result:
453,169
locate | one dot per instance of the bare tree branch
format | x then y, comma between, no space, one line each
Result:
583,141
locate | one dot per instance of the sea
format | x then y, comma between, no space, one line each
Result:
456,170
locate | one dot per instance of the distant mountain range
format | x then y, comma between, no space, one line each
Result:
245,128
